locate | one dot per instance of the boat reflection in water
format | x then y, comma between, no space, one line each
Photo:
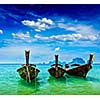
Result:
25,88
61,79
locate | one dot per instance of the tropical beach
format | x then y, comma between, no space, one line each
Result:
46,50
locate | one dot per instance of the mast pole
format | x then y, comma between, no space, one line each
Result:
56,60
91,58
27,64
27,57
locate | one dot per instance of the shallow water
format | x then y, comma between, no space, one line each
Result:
12,84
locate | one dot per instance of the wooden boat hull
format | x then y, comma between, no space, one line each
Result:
57,73
80,71
23,73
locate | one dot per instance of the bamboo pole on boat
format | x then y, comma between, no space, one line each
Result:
27,64
56,62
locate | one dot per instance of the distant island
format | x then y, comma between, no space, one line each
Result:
77,61
53,62
74,61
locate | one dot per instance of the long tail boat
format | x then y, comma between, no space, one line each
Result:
28,71
56,70
80,70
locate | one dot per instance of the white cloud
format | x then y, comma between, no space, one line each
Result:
79,32
67,37
45,20
68,26
21,35
1,31
87,32
37,36
40,25
37,30
57,49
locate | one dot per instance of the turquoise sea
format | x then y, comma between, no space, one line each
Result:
12,84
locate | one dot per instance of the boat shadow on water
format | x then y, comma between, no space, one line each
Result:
25,88
57,80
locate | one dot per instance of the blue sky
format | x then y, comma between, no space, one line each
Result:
70,30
